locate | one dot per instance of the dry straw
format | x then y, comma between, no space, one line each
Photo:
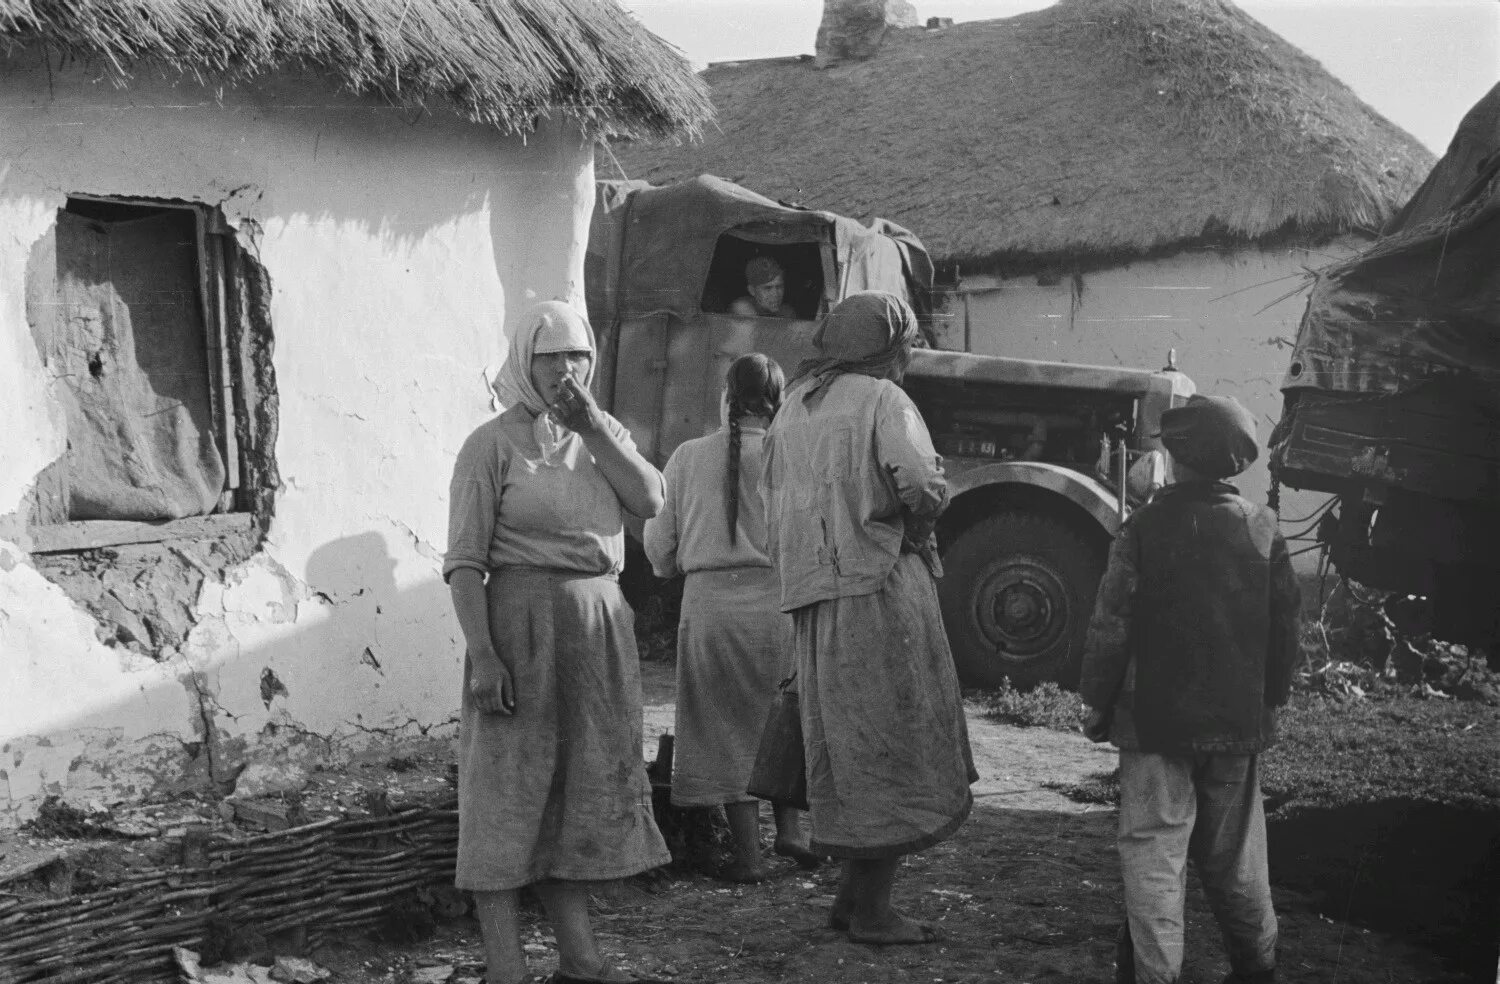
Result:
499,62
1089,132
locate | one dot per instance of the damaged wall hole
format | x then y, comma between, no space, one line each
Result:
137,374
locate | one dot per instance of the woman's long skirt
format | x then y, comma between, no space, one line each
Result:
887,747
733,648
558,789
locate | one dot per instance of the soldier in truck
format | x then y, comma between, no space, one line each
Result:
765,282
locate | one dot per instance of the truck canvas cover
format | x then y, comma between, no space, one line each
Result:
662,263
1423,303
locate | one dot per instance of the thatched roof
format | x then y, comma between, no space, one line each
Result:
1085,132
499,62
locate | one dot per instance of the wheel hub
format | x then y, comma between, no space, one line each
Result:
1022,608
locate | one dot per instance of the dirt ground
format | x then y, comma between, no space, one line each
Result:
1027,891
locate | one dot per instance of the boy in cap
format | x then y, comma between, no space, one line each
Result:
1192,644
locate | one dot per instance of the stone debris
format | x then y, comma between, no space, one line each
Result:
286,970
193,972
298,970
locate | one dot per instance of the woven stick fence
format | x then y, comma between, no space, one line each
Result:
325,878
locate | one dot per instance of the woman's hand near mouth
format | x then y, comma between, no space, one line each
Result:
575,409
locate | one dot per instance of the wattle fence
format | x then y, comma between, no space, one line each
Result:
323,879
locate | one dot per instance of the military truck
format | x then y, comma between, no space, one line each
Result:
1392,396
1043,459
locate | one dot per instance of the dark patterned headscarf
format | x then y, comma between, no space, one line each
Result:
868,334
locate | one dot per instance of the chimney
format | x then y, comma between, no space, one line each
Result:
852,29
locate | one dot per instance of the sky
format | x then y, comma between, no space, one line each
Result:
1420,63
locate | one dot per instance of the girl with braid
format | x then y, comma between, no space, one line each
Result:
732,639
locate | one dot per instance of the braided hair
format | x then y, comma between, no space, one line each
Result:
754,384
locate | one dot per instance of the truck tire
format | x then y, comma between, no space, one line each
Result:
1017,591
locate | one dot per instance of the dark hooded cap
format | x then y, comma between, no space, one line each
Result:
1213,435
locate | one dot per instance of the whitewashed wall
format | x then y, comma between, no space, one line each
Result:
399,245
1225,312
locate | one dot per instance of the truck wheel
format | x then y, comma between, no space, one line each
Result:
1017,593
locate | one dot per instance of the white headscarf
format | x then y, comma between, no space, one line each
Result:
551,326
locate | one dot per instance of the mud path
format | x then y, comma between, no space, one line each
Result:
1013,763
1027,891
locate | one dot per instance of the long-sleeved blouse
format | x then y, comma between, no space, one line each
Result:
691,533
509,508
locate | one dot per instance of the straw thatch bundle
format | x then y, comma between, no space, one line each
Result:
499,62
1088,132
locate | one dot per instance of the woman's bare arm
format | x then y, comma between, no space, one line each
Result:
636,483
490,681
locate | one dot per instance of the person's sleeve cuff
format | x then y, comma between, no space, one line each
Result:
463,564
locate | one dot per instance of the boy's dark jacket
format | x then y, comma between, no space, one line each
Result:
1193,640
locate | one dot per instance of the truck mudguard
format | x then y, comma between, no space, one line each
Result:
1085,492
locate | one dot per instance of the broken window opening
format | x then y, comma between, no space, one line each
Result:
152,322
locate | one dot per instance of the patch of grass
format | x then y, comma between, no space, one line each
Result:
1044,706
1334,752
1102,788
1388,815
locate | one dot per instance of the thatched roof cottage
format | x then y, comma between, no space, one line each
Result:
1100,181
256,262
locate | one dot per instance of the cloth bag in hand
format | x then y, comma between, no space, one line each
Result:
780,772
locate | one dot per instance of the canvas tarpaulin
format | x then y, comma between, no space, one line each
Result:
115,313
664,238
1423,303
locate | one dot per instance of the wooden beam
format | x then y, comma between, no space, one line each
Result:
91,534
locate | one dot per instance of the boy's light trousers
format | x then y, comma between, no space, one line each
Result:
1207,807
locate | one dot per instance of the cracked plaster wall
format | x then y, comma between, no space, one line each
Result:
1218,308
399,245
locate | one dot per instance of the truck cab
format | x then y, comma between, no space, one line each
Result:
1044,459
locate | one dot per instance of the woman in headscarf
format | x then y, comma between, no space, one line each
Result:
732,640
853,489
552,787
